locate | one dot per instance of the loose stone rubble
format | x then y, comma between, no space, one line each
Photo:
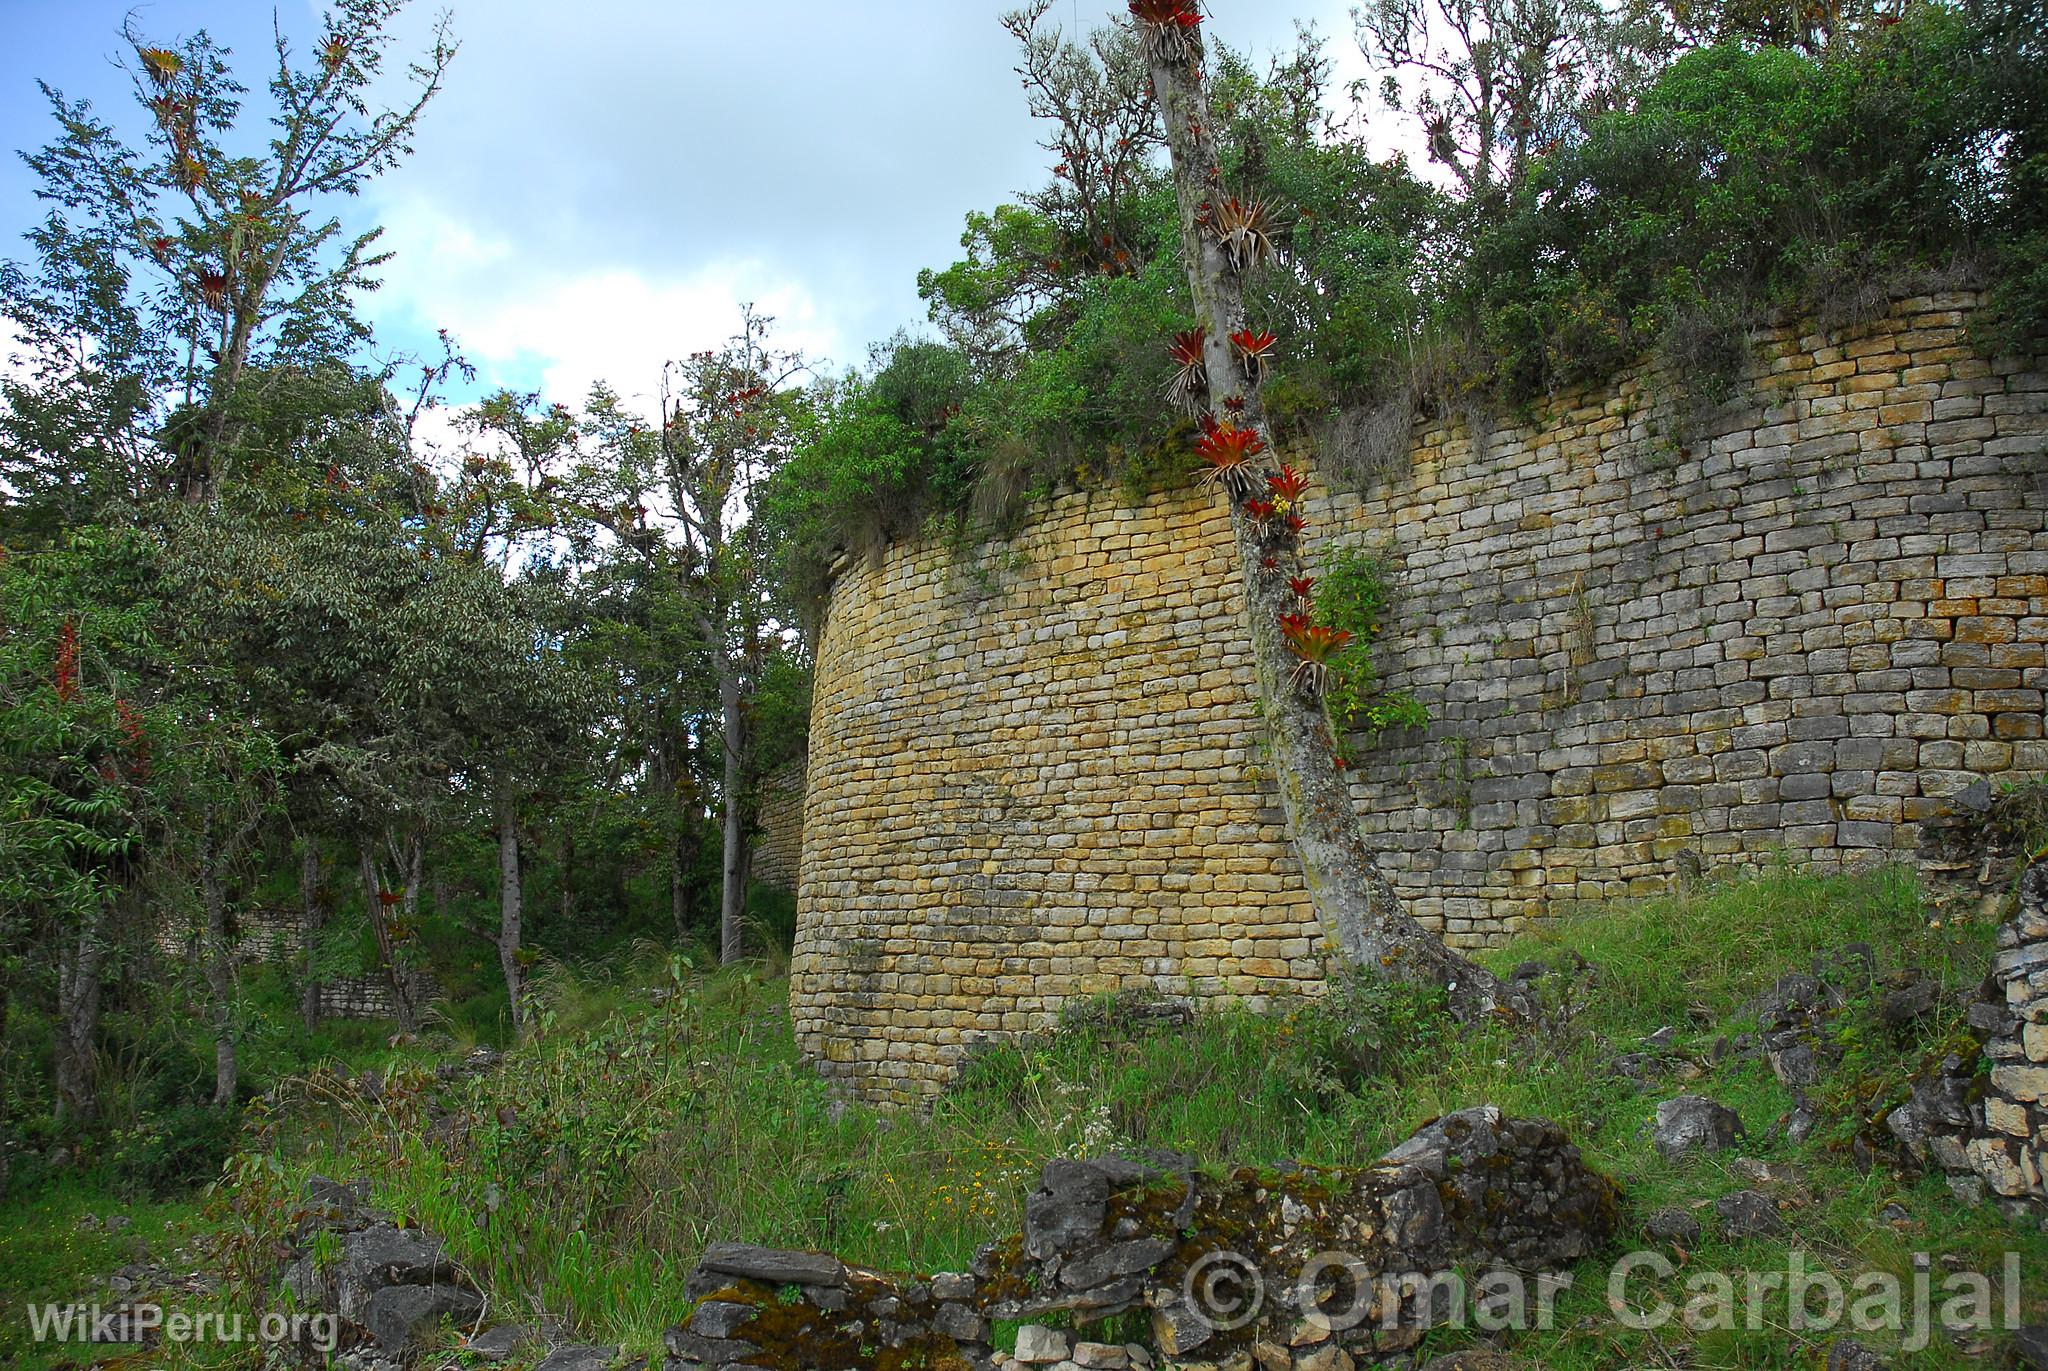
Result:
388,1285
1215,1265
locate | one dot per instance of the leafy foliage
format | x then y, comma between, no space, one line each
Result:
1353,594
1667,185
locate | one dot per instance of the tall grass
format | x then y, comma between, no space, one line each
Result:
662,1109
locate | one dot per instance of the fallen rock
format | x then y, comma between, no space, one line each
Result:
1849,1355
952,1286
1673,1226
397,1314
1748,1214
1038,1345
1067,1207
385,1255
1694,1123
960,1323
772,1266
498,1344
1329,1357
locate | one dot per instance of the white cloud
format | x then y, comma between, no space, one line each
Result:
558,331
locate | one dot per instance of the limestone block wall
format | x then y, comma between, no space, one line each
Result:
779,847
1034,769
1805,630
369,997
1034,776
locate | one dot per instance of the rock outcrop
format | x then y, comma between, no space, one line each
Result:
1226,1269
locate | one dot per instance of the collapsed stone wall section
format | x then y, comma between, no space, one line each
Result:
1102,1237
370,997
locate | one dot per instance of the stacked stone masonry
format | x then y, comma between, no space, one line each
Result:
370,997
2010,1152
1035,767
779,847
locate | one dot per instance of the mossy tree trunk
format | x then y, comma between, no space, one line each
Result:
1360,913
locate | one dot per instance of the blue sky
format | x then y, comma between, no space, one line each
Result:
605,181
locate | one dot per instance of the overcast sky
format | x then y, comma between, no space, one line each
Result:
604,181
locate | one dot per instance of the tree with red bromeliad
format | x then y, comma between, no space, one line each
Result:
1225,237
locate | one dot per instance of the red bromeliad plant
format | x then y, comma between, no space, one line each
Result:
1228,450
162,64
1245,229
1313,645
1262,510
1289,486
1171,28
1255,351
1190,385
1304,588
213,289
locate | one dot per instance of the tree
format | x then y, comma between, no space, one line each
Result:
728,419
1025,261
70,804
1500,80
1225,239
244,275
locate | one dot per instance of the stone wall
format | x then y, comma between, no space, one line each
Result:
1808,629
259,935
779,847
1035,773
369,997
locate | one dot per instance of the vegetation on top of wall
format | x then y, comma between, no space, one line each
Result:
1718,177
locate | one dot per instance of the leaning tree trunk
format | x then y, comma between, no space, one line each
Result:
511,903
1359,911
309,932
732,904
78,1024
220,975
387,947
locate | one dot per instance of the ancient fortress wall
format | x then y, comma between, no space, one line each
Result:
779,850
1034,770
